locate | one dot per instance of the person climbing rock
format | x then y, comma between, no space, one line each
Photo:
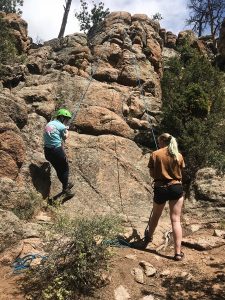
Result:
55,134
166,166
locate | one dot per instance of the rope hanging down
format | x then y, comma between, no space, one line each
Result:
77,106
141,95
137,70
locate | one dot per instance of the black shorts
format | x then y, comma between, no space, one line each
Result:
167,192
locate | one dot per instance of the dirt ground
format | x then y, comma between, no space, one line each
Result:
201,275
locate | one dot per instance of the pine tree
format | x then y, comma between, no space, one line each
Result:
90,19
65,17
206,14
194,108
11,6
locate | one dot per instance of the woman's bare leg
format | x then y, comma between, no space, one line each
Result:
175,215
155,215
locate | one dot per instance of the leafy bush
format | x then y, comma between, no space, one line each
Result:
27,205
77,258
194,107
8,50
11,6
94,17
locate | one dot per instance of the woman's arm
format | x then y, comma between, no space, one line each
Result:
151,166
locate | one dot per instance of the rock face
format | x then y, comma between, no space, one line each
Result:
209,186
19,31
111,81
110,176
114,107
10,229
171,42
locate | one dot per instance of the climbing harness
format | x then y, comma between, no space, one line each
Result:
24,263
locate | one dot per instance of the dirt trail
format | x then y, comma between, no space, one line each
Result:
201,275
9,287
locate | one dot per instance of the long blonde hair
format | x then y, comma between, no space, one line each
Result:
171,143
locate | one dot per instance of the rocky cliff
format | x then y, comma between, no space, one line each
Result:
111,81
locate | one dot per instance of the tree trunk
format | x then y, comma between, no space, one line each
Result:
200,27
65,17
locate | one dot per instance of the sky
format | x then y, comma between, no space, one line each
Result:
44,17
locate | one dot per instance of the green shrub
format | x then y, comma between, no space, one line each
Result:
77,258
27,205
11,6
8,50
93,18
197,102
194,108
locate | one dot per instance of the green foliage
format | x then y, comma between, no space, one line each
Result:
93,18
157,17
206,14
27,205
196,100
11,6
194,107
8,50
77,258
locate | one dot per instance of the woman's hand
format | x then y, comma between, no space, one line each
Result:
66,134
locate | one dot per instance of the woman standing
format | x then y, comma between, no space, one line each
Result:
166,166
55,134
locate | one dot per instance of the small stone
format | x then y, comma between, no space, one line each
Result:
195,227
138,275
219,233
11,254
149,297
121,293
148,268
43,217
184,274
31,230
165,273
131,256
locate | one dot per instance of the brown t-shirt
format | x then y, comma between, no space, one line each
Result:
165,168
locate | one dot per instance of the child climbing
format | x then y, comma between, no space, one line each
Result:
166,166
55,134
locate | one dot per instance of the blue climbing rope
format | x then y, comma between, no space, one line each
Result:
118,242
23,263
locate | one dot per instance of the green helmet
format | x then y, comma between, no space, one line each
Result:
63,112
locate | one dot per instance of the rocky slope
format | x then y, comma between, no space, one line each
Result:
111,80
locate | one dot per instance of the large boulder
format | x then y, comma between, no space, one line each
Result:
97,120
110,175
13,109
209,187
10,229
110,81
19,30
